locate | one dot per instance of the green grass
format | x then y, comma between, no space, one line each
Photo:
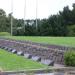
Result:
65,41
9,61
4,34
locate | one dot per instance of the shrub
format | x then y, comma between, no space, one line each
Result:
69,58
4,34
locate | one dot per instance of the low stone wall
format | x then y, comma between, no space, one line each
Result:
48,71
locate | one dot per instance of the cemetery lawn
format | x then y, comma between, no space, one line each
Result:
64,41
12,62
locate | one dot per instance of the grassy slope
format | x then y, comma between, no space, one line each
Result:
65,41
9,61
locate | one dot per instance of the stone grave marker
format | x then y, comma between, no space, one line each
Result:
36,58
2,47
47,62
20,53
14,51
27,55
10,49
6,48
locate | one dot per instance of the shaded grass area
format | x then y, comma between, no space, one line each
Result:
4,34
12,62
64,41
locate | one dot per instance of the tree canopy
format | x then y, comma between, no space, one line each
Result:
61,24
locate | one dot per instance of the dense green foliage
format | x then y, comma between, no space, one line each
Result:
64,41
9,61
69,58
61,24
71,30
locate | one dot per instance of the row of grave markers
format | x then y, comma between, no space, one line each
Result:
35,50
55,55
29,56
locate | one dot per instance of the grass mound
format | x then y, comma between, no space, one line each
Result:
9,61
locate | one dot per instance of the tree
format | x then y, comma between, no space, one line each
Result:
2,20
67,15
73,14
2,12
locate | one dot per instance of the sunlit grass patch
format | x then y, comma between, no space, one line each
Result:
9,61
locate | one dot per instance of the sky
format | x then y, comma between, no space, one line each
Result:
45,8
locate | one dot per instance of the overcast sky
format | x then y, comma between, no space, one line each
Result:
45,7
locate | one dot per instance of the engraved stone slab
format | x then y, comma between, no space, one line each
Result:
2,47
10,49
47,62
28,56
20,53
14,51
36,58
6,48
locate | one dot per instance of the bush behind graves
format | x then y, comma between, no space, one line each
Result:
69,58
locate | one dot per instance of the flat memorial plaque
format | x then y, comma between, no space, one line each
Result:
20,53
47,62
36,58
14,51
2,47
10,49
6,48
27,56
